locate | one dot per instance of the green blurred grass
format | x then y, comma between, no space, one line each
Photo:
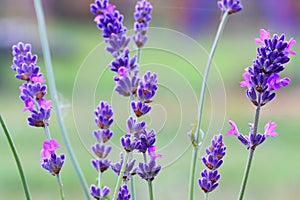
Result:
275,169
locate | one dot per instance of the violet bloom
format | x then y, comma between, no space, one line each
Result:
103,115
99,193
123,193
101,165
125,62
149,171
262,79
142,16
251,141
215,154
129,169
49,160
147,87
103,119
230,6
126,85
110,22
32,91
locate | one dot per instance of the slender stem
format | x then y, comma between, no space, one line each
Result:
61,188
150,188
251,151
17,159
132,182
206,196
47,132
121,174
52,88
201,101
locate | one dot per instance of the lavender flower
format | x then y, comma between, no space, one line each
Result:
142,16
99,193
49,160
147,87
262,79
252,141
129,169
123,193
230,6
103,115
110,22
140,108
103,135
125,62
101,165
208,181
32,91
103,119
126,85
215,153
148,171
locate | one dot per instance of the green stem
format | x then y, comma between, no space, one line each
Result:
251,151
17,159
201,101
150,188
132,182
206,196
61,189
52,88
121,174
47,132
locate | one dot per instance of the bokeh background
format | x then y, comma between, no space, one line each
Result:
80,67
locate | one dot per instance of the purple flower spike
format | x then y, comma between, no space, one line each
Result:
123,193
262,79
140,108
142,16
54,164
208,180
103,115
148,171
230,6
99,193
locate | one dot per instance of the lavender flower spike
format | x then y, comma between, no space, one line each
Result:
262,79
149,171
230,6
142,16
209,178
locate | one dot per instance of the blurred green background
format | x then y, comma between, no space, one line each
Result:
80,67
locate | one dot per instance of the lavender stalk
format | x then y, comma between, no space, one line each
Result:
53,91
262,80
227,8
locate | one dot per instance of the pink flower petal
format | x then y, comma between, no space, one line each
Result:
234,130
269,129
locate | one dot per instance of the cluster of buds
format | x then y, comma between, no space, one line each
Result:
103,119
